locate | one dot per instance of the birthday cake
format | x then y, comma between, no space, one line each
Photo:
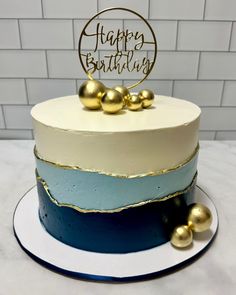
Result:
115,183
116,170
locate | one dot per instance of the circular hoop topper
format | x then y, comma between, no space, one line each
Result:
116,48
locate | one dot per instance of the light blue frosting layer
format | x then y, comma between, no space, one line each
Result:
91,190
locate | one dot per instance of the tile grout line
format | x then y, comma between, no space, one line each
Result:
76,85
177,36
230,36
204,11
123,28
198,65
173,86
148,50
26,92
73,34
214,138
222,94
46,58
99,72
18,105
4,118
82,78
42,9
87,18
15,129
152,19
149,7
19,30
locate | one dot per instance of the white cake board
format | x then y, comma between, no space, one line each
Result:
50,252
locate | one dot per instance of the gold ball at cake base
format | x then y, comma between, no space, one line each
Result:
90,94
112,101
124,92
182,236
134,103
199,218
147,98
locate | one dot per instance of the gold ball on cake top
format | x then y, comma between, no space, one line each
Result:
90,94
112,101
147,98
182,236
199,218
123,91
134,102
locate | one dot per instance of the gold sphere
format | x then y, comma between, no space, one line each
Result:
134,102
112,101
123,91
90,94
182,236
199,218
147,97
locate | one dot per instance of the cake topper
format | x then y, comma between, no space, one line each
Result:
121,51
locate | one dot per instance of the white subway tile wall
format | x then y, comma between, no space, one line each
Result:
13,91
204,36
233,38
196,59
229,95
181,9
46,34
2,123
218,66
141,7
20,9
68,8
42,89
158,86
9,34
15,134
17,116
226,135
221,119
220,10
64,64
176,65
165,32
203,93
207,135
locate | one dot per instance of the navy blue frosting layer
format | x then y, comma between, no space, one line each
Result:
130,230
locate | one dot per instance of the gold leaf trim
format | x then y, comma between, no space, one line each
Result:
77,208
151,173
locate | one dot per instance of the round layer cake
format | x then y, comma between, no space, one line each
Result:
104,172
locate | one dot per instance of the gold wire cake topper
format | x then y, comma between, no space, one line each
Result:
125,45
125,52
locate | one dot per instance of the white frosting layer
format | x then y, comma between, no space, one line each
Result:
128,143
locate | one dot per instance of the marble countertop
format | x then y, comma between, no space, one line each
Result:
213,273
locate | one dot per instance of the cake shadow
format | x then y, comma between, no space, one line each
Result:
90,110
151,108
204,236
122,112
